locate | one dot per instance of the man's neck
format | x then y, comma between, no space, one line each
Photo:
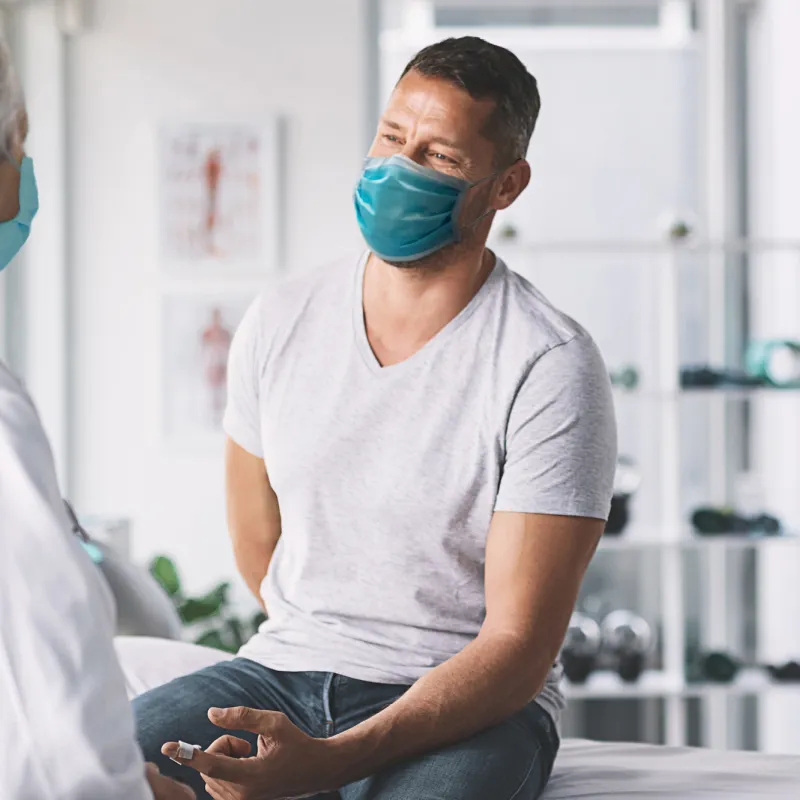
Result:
404,308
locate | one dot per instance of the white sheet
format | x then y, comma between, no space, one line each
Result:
590,770
609,771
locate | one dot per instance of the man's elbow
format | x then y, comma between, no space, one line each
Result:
528,662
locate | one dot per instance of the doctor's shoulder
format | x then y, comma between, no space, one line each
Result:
16,406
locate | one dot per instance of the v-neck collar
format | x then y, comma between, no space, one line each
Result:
433,344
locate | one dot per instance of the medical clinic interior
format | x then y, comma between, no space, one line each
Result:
194,155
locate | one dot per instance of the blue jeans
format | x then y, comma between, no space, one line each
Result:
511,760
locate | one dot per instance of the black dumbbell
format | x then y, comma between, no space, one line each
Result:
720,667
626,482
722,521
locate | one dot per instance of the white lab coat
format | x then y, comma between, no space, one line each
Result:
66,729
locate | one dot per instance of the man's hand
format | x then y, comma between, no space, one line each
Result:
289,763
166,788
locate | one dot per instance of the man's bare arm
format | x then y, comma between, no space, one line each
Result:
254,519
534,567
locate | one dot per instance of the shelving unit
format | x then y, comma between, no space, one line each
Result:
723,393
604,685
670,536
686,540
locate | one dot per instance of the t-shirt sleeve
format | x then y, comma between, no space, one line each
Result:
561,437
242,420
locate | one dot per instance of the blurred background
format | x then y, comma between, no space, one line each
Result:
191,151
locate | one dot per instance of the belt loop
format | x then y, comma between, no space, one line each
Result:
327,691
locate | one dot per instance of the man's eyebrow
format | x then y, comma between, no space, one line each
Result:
446,142
442,140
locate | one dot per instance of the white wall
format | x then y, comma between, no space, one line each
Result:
143,62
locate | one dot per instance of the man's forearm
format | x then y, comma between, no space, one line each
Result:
491,679
254,517
253,563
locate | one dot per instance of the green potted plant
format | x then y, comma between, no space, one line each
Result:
209,619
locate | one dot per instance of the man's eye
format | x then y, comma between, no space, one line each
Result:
390,137
443,157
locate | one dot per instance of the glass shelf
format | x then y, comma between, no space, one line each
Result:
691,541
605,684
729,393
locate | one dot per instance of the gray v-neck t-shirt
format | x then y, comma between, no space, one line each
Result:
387,477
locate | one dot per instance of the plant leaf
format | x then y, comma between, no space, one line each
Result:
163,569
213,639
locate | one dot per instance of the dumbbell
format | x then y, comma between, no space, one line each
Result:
723,521
627,639
626,377
720,667
581,648
626,482
622,642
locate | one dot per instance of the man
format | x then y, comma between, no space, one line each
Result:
420,461
66,729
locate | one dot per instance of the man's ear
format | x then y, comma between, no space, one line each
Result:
513,182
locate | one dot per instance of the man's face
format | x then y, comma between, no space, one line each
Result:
438,125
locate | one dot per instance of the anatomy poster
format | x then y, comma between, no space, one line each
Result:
197,335
218,197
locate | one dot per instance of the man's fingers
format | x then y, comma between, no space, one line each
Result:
229,746
241,718
223,791
236,770
168,789
219,791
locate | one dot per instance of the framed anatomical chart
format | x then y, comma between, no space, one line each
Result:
218,198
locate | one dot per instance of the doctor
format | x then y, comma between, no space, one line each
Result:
66,730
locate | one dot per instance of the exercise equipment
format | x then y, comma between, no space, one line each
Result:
709,521
776,362
626,482
581,648
785,673
621,643
706,377
770,363
626,377
627,638
143,608
717,666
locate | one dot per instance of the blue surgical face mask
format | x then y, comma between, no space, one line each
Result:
407,211
14,233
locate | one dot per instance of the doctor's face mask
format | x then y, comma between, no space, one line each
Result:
14,233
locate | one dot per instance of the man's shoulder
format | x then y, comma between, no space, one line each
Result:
533,323
321,285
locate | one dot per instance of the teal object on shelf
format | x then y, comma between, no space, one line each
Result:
775,361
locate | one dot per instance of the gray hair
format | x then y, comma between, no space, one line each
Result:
12,103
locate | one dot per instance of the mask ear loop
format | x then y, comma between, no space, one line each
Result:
477,183
460,203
